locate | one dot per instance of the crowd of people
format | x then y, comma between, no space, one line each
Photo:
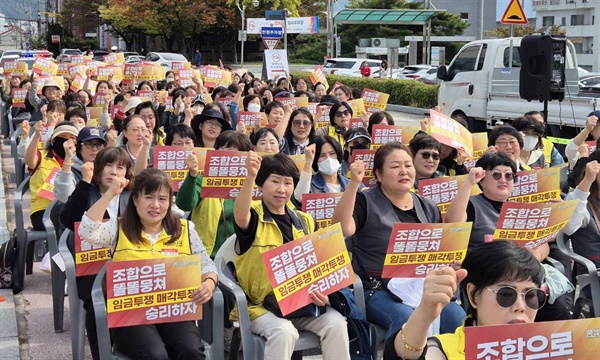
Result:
106,180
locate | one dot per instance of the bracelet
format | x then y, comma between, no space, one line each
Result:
406,345
213,280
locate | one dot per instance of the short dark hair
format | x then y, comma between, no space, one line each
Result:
492,159
289,137
76,111
183,130
321,140
249,98
335,108
261,133
527,122
383,152
504,130
424,142
279,164
377,118
272,105
149,105
234,139
499,261
533,113
112,155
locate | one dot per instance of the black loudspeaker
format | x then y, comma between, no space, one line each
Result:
542,74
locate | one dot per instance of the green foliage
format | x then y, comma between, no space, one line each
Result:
308,49
402,92
80,43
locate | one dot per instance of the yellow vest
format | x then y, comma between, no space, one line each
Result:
126,250
206,217
339,137
251,270
38,178
548,147
453,345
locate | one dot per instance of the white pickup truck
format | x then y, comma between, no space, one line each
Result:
481,87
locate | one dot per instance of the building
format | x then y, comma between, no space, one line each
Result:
479,13
576,18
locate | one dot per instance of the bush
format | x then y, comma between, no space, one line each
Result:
402,92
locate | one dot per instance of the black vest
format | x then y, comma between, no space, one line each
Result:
586,240
486,218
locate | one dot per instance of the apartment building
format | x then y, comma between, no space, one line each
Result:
577,18
481,14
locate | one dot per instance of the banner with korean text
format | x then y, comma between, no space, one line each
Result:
375,101
172,160
449,132
535,186
18,97
15,68
531,225
214,77
443,190
47,189
416,249
252,120
152,291
224,174
89,258
44,67
367,156
321,206
557,340
295,102
318,261
383,134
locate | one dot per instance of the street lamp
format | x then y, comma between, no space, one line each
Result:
242,36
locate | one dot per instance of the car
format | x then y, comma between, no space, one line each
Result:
430,79
129,53
66,54
134,59
349,66
165,58
589,79
99,55
412,72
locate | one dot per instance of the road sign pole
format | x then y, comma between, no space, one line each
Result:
510,52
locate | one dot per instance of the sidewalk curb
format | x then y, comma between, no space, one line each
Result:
9,333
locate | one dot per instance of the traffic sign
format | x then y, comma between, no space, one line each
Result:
268,32
270,44
514,14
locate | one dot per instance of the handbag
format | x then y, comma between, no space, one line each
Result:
311,310
8,253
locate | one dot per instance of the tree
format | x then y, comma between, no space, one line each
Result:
503,31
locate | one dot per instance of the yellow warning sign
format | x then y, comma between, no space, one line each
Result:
514,14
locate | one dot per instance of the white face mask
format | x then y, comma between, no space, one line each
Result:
529,142
254,107
329,166
198,109
169,79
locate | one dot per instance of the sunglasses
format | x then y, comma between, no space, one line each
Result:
496,175
506,296
342,113
299,123
427,154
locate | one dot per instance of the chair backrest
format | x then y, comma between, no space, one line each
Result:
22,189
564,244
225,255
99,302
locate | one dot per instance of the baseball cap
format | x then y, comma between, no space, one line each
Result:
64,128
328,100
199,99
132,103
595,113
90,133
356,133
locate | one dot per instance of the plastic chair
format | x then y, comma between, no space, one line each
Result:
378,332
253,345
58,277
211,323
589,277
76,310
19,161
25,236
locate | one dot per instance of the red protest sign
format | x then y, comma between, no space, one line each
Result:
224,174
172,160
318,261
89,259
152,291
367,156
321,206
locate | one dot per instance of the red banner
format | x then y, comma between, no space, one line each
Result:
321,206
89,259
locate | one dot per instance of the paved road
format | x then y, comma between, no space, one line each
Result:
34,305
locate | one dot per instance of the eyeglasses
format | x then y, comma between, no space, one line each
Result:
506,296
426,154
213,123
187,142
94,146
342,113
504,143
301,123
497,175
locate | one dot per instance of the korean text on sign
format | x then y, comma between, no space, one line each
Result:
318,261
416,249
449,132
558,340
152,291
172,160
367,156
375,101
224,174
321,206
443,190
89,259
537,186
531,225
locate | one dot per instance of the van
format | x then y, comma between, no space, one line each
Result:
349,66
